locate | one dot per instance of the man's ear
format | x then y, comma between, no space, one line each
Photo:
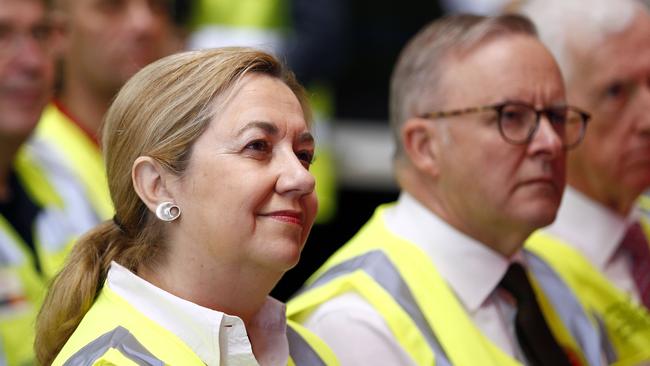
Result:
151,182
422,145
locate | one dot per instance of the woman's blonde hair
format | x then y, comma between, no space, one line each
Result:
160,113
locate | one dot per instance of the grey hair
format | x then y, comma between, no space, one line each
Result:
416,77
566,26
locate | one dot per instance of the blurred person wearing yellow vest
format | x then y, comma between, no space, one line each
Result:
103,44
42,209
599,241
208,156
481,125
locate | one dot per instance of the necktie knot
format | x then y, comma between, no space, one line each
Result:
516,282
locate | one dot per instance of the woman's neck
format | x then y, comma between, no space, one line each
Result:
228,288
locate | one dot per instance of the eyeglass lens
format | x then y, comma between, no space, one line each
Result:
519,122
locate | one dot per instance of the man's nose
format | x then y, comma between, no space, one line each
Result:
547,139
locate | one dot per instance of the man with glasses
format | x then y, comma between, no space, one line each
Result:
601,231
481,127
42,209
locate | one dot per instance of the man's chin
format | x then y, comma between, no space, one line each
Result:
542,215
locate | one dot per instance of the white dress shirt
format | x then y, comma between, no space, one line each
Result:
217,338
596,232
357,333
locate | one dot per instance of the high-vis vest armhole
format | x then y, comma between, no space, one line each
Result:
378,269
565,314
3,356
119,339
10,255
114,357
35,181
306,349
626,338
81,154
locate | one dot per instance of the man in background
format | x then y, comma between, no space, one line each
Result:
104,42
42,209
481,126
603,49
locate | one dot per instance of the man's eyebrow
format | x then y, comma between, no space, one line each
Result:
267,127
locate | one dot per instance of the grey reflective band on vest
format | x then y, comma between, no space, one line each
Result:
120,339
300,351
3,357
606,344
378,266
567,307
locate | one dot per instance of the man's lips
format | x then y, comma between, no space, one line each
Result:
23,95
289,216
544,180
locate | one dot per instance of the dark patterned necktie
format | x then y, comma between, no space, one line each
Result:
636,245
534,336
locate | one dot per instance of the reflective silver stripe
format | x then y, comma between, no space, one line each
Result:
3,357
567,307
606,343
378,266
300,351
10,255
56,226
120,339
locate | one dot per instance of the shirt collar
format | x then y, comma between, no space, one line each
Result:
204,330
590,227
480,268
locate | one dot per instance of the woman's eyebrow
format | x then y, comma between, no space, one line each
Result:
306,137
267,127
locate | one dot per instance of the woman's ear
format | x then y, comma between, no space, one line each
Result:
151,182
422,145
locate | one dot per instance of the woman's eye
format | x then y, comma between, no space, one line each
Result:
258,145
307,157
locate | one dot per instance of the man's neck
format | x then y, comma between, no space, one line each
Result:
622,203
86,108
8,150
423,189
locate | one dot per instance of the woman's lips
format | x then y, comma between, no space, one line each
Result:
289,216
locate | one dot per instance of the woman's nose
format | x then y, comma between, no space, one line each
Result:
294,176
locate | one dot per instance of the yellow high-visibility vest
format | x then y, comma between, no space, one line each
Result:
115,333
63,217
625,323
401,283
80,154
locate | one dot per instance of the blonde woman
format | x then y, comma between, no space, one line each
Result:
207,156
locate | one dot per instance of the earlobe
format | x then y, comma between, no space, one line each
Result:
420,141
150,182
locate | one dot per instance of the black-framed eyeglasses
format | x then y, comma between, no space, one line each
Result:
519,121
